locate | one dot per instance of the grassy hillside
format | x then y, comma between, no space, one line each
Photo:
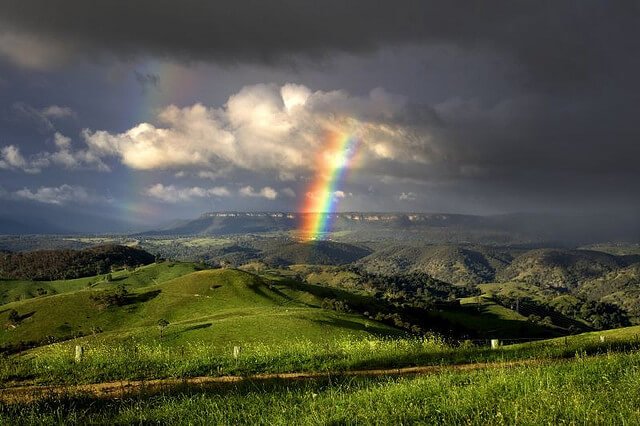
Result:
599,391
586,379
428,303
16,290
216,306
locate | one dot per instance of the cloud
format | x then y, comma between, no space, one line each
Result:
289,192
335,195
286,131
266,192
41,118
25,112
408,196
12,159
558,44
63,194
58,112
29,49
267,128
172,194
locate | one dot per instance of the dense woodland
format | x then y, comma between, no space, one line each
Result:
67,264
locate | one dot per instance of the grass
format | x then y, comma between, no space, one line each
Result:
281,328
210,306
17,290
107,360
600,390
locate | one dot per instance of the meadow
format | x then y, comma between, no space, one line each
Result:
280,358
585,390
111,360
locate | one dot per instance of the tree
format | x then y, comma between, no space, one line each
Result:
162,324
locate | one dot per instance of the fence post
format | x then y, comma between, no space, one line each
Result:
236,351
79,353
495,343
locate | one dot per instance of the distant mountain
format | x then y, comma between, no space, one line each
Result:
512,229
226,223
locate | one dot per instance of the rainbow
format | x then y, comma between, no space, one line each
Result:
322,196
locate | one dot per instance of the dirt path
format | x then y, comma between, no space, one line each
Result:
119,389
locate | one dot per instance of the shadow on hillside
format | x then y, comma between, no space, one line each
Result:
373,328
196,327
259,289
141,297
25,316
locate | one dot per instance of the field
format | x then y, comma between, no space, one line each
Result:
16,290
208,306
581,389
237,347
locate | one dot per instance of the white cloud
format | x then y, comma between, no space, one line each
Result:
266,192
58,195
267,128
408,196
57,112
69,159
335,195
288,132
172,194
289,192
12,159
42,118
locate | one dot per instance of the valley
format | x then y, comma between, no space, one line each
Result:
207,318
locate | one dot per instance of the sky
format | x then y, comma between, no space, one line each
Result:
117,113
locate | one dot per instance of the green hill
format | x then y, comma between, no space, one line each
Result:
313,252
561,268
450,263
16,290
620,287
216,306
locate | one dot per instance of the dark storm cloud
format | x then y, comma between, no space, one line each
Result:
556,41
